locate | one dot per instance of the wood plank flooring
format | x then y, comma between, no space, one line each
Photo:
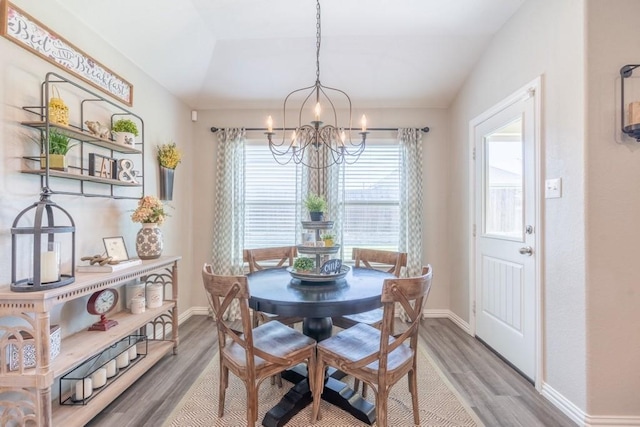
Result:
498,394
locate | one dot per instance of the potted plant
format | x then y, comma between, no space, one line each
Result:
316,205
125,132
168,157
328,239
303,265
59,146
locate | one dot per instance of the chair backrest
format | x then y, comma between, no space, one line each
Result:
389,261
411,293
281,256
223,290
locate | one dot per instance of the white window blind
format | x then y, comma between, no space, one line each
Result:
270,199
372,199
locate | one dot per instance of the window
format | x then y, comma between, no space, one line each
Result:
270,199
372,199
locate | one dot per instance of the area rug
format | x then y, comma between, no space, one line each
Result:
440,405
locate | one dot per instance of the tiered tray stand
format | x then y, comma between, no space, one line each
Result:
320,253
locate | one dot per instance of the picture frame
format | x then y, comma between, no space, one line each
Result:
32,35
115,248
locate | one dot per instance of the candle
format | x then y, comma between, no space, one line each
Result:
99,377
294,139
49,267
84,389
317,111
363,121
634,113
343,138
269,124
122,360
111,368
133,352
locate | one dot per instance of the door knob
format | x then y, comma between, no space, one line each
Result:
527,250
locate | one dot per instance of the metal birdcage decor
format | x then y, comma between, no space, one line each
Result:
317,145
36,251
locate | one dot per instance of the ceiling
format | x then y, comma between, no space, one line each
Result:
252,53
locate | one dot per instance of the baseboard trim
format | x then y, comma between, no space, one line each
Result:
612,421
563,404
448,314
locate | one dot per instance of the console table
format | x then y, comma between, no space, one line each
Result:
25,393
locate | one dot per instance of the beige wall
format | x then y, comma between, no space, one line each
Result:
165,119
613,204
435,155
544,38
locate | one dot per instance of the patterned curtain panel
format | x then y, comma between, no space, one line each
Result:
410,141
228,228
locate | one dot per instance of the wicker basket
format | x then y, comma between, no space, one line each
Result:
58,111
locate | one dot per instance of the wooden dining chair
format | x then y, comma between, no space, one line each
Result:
375,356
389,261
263,258
252,354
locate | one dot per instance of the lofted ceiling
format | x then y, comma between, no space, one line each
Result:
251,53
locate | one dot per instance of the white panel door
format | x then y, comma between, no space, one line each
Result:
505,226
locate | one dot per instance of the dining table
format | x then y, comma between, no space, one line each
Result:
277,291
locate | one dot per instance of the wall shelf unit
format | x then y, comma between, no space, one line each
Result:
29,389
94,107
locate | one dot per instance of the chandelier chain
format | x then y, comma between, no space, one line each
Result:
318,38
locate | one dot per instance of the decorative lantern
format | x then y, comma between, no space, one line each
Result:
45,242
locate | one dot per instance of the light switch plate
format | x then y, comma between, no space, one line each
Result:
553,188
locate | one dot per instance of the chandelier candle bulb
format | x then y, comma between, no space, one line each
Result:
364,123
317,111
269,124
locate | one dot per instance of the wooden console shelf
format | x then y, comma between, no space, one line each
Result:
29,389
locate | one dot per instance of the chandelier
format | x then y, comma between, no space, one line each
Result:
315,144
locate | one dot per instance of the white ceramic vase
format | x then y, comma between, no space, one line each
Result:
149,241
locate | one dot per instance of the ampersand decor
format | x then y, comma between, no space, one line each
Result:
126,172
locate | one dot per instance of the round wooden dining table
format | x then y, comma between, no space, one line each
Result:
276,291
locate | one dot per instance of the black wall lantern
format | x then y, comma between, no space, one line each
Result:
42,269
630,127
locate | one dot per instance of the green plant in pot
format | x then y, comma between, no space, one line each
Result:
328,239
125,132
316,205
303,265
59,146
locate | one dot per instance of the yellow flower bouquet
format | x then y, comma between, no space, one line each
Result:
169,155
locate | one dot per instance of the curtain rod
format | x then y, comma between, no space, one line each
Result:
424,129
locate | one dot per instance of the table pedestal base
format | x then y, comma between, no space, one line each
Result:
335,392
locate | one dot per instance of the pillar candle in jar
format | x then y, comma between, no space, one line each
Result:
133,352
84,389
111,368
634,113
50,263
99,377
122,360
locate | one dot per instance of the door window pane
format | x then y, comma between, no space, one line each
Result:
504,182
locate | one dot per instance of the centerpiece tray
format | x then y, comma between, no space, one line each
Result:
314,277
321,250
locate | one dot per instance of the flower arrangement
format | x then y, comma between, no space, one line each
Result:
168,155
149,210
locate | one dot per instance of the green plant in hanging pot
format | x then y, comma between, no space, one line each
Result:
125,132
316,205
328,239
168,158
